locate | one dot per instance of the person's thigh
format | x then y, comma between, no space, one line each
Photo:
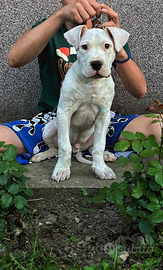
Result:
144,125
9,137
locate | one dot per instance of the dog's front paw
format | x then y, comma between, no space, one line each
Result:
109,157
60,174
104,172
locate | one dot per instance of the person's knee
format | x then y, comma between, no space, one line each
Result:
10,137
143,124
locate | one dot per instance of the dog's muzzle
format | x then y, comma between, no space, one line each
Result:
96,65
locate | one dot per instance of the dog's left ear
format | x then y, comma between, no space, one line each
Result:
119,36
74,35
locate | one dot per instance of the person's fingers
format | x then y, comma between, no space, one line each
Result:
113,18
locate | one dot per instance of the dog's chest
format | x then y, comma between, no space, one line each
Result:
86,115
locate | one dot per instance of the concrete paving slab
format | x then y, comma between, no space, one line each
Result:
81,175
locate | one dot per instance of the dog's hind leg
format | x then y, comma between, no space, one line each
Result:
109,157
50,138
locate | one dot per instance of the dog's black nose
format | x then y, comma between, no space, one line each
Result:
96,65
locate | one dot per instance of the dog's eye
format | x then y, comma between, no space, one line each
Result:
84,47
107,46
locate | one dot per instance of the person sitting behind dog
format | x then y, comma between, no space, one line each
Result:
45,41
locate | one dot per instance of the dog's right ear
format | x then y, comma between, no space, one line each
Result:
74,35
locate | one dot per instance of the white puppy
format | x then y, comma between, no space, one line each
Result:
83,113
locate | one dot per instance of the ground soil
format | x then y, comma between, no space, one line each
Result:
70,229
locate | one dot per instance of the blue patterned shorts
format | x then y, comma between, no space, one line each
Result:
30,132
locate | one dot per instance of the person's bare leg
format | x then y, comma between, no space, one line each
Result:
143,124
9,137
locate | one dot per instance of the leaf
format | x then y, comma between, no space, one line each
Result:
154,186
15,166
127,175
29,192
2,235
152,171
147,144
104,190
137,192
151,138
2,144
157,216
147,153
73,239
145,226
119,195
105,265
20,202
111,197
153,262
98,198
129,135
11,153
151,195
123,185
140,135
143,203
114,185
137,146
6,200
122,161
2,227
152,115
85,193
16,173
155,163
3,179
135,158
142,184
159,178
138,167
122,145
153,206
4,166
149,239
14,188
154,121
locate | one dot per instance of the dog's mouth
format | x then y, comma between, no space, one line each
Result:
98,76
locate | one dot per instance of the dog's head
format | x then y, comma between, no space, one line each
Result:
96,48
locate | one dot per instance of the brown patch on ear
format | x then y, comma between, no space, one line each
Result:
83,30
109,33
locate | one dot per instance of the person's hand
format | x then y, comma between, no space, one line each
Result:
78,12
113,19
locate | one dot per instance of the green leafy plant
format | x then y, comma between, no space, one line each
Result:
12,185
140,195
149,264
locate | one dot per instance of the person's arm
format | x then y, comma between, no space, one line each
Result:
130,74
34,41
132,77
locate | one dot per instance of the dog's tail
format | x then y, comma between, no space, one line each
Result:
81,159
